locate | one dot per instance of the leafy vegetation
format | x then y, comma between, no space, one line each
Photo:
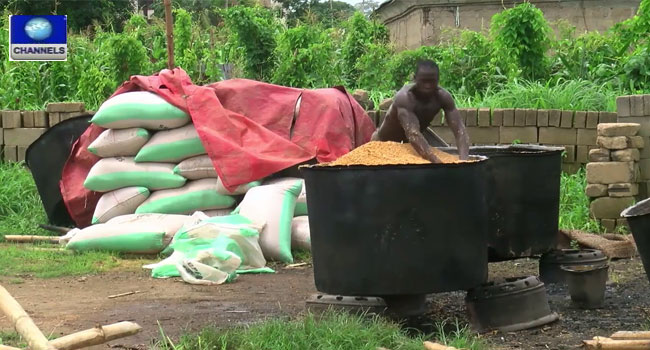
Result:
574,204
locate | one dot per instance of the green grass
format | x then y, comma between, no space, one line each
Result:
21,209
332,330
12,339
574,204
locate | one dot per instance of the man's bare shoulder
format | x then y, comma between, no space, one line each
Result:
445,98
403,97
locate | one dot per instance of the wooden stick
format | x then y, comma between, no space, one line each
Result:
96,336
603,343
22,322
170,34
6,347
629,335
122,294
435,346
31,239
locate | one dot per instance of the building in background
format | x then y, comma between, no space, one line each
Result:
414,23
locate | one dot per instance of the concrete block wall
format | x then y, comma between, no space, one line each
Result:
18,129
574,130
636,109
613,173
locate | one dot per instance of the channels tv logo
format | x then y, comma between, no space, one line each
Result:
38,38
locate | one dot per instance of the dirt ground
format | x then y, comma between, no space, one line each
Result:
65,305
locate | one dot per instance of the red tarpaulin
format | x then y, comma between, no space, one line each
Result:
245,126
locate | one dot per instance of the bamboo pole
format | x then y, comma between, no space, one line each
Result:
435,346
22,322
170,34
603,343
6,347
628,335
31,239
96,336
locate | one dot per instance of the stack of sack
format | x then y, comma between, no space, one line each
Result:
155,174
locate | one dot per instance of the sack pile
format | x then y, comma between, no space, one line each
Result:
155,173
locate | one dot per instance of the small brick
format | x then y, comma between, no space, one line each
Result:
40,119
587,137
542,117
636,106
385,104
582,154
554,117
497,117
612,143
484,117
70,115
10,153
610,172
21,151
646,105
2,137
22,136
526,134
644,166
618,129
531,117
609,208
65,107
592,120
28,119
609,225
566,120
626,155
607,117
636,142
596,190
569,154
11,119
509,117
520,117
623,190
56,119
483,136
623,106
557,136
471,118
580,120
599,155
644,122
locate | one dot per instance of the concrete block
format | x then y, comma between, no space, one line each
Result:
623,106
610,172
554,117
644,124
582,154
566,119
65,107
626,155
2,137
385,104
569,154
497,117
11,119
592,120
446,134
618,129
526,134
636,142
28,119
40,119
10,153
70,115
580,119
607,117
622,223
644,166
56,119
471,118
570,168
596,190
362,97
483,136
609,225
636,106
587,137
645,151
542,117
612,143
22,136
599,155
623,190
21,151
484,117
646,105
520,117
609,208
509,117
531,117
557,136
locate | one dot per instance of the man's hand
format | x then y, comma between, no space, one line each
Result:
452,116
411,126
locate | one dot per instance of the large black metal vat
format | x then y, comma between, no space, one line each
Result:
523,196
638,217
398,230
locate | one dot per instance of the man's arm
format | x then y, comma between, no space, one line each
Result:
411,126
456,124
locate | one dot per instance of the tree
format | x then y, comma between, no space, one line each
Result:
367,7
201,10
81,14
328,12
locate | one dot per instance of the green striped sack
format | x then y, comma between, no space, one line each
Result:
139,109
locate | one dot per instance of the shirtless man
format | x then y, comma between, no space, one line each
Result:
413,109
